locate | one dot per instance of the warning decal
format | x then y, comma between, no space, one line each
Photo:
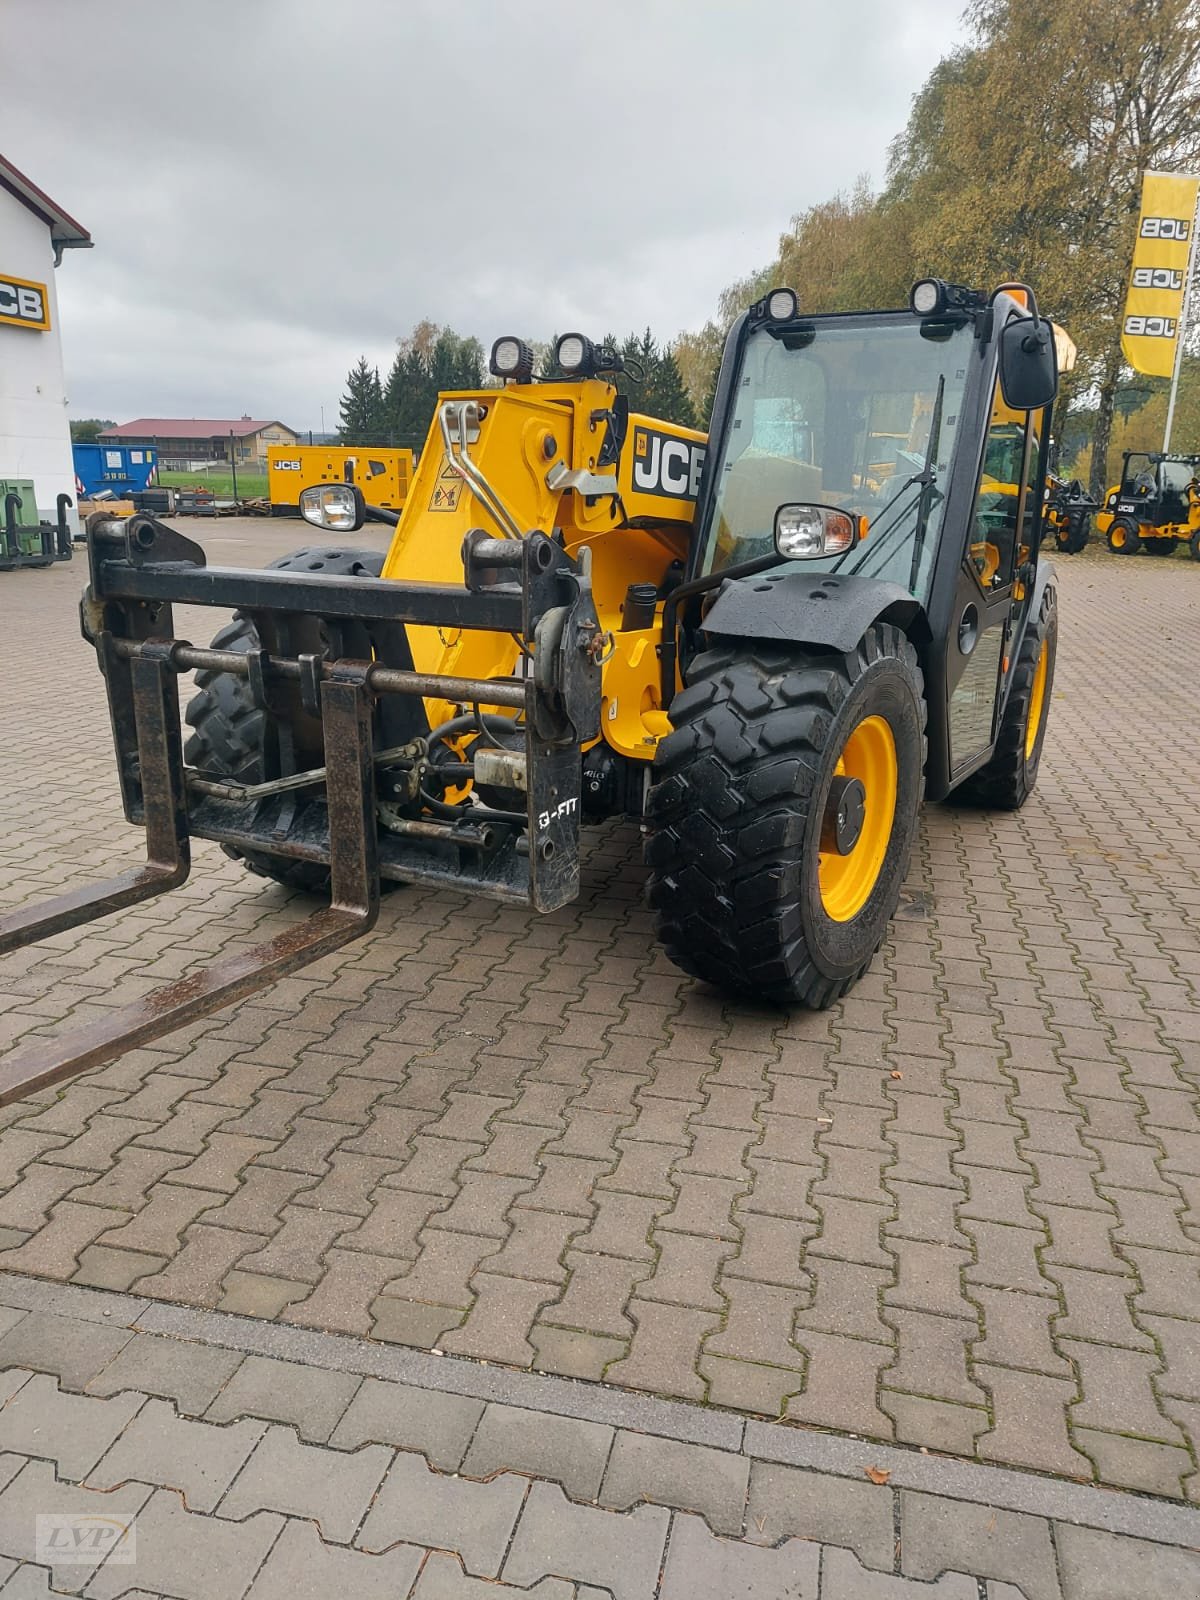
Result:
445,496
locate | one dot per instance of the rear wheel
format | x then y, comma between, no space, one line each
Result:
1123,537
1008,779
229,730
782,814
1194,545
1159,547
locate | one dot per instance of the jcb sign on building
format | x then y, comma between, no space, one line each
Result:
1154,303
24,304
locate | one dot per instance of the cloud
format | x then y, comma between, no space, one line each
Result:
276,186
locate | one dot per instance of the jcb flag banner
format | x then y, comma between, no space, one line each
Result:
1158,281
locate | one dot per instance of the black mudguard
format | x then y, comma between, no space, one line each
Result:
830,610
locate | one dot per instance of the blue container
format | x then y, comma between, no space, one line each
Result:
120,468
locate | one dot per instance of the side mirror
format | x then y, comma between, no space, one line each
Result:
1028,364
336,507
804,532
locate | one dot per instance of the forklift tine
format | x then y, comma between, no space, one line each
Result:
163,1010
346,706
156,714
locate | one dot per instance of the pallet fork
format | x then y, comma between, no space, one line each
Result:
362,688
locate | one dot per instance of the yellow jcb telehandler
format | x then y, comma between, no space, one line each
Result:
768,646
1155,507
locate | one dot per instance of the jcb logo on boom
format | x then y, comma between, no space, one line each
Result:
1151,327
663,464
1166,228
1157,278
23,304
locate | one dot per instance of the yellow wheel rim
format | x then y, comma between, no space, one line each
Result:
846,881
1037,700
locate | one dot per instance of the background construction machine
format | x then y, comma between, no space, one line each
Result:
382,474
1155,507
853,629
1069,512
25,540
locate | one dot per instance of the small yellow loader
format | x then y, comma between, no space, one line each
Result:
767,646
1155,507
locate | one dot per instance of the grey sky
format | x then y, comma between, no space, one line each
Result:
276,186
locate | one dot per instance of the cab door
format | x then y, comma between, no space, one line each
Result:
1000,534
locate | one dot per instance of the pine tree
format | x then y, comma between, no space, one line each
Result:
361,417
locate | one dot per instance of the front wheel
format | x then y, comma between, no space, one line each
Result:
1123,537
782,812
1194,545
1159,547
1072,536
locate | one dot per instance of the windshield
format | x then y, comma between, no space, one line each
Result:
844,419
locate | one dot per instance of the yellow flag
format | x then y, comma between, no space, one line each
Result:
1158,280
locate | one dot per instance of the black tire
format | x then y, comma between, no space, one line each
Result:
228,728
1073,537
1159,547
1194,545
1008,779
737,803
1123,537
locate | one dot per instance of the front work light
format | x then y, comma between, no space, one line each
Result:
804,532
782,305
338,507
511,358
928,297
575,354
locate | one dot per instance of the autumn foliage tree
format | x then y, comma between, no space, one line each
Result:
1022,158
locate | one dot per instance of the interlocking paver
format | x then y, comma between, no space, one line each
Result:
313,1402
474,1520
571,1451
282,1474
786,1502
35,1491
1097,1566
440,1426
74,1351
701,1566
692,1477
619,1554
665,1349
301,1566
1037,999
72,1430
193,1557
843,1578
937,1535
199,1459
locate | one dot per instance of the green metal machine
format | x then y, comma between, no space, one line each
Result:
24,540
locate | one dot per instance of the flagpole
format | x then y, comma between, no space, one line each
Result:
1181,332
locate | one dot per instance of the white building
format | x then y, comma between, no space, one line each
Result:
35,438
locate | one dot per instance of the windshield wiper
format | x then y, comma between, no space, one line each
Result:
927,479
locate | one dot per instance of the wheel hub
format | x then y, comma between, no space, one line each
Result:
845,812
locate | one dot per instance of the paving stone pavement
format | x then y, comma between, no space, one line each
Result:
437,1478
960,1210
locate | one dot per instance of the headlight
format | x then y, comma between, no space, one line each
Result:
511,358
335,506
574,353
928,296
782,305
804,532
